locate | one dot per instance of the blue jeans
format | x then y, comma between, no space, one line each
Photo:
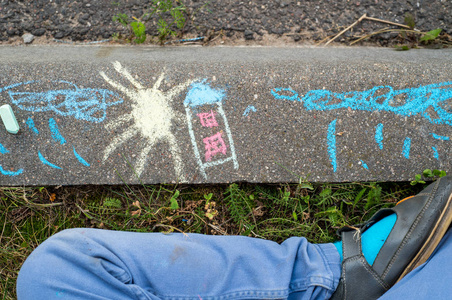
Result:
101,264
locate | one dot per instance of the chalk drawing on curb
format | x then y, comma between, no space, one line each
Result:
431,102
85,104
208,101
249,109
379,135
364,165
10,173
82,104
152,116
435,153
406,148
46,162
331,140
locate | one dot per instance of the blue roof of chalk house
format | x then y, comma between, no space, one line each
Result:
201,93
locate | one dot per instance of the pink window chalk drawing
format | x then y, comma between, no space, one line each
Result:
208,119
214,144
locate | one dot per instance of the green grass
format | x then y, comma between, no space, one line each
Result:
28,216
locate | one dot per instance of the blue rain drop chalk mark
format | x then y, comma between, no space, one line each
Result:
56,135
3,150
31,125
440,137
80,159
331,140
417,101
365,166
435,153
406,148
10,173
248,110
46,162
201,93
379,135
82,104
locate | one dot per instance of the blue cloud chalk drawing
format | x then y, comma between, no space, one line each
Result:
432,102
82,104
417,101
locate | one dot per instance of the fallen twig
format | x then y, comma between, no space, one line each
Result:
365,17
343,31
382,31
387,22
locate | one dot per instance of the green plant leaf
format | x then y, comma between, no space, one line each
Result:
112,203
402,48
427,173
174,205
123,19
431,35
139,30
409,20
208,196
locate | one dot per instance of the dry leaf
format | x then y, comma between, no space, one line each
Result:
52,197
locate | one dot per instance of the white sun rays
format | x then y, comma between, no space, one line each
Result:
151,116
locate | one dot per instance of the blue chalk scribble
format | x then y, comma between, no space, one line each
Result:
10,173
82,104
248,110
331,140
80,159
292,97
406,148
379,135
3,150
440,137
365,166
435,153
31,125
201,93
56,135
404,102
46,162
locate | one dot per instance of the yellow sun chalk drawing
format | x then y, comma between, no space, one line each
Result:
151,116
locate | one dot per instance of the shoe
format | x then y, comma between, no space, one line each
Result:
422,221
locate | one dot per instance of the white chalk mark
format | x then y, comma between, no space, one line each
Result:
152,116
127,75
194,144
142,159
118,122
118,141
116,85
228,132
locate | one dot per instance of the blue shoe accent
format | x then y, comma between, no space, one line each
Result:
373,238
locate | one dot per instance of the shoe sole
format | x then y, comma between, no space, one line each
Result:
440,229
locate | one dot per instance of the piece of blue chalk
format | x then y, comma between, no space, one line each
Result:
8,118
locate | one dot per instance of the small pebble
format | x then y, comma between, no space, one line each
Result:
28,38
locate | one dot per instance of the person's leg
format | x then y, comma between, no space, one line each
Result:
101,264
431,280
